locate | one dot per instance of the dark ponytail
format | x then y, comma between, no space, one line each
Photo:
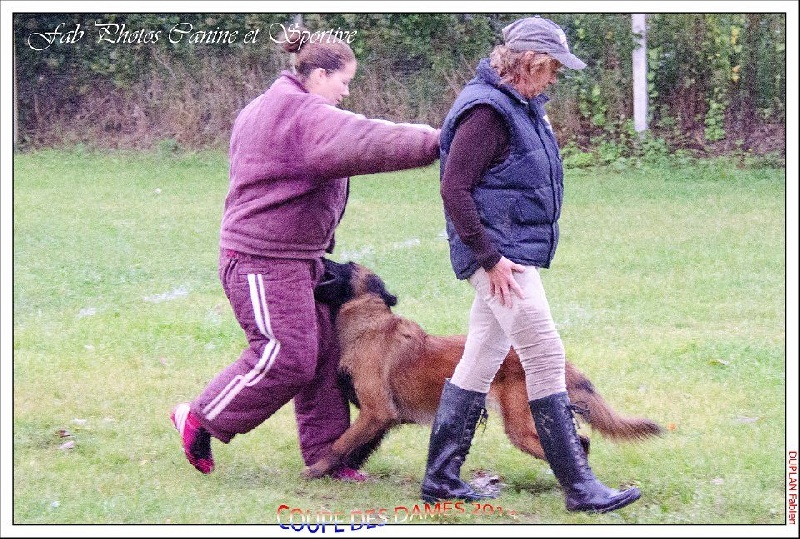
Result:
315,50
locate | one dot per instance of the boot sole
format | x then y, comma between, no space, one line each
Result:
434,499
631,495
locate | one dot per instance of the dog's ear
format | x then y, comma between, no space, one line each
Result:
376,285
334,288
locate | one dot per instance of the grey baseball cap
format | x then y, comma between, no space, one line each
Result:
541,35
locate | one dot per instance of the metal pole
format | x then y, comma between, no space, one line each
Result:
640,74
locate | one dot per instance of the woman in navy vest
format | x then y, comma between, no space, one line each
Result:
502,187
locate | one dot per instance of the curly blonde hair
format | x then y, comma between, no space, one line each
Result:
515,66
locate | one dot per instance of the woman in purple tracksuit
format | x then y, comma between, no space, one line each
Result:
292,151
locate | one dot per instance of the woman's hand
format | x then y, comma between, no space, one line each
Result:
502,282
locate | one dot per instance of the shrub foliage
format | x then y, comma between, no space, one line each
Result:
716,81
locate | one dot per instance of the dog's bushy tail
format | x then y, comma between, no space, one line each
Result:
601,416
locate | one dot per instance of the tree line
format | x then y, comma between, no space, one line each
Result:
178,79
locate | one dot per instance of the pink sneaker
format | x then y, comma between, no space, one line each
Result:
349,474
195,439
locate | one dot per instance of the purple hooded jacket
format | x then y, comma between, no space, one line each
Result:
290,157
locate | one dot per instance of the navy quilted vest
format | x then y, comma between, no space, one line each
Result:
519,200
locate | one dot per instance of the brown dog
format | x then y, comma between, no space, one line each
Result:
394,372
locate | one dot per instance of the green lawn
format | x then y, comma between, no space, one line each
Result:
668,288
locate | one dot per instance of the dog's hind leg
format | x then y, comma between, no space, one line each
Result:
517,420
512,397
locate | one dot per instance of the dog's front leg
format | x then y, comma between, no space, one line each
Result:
323,466
364,429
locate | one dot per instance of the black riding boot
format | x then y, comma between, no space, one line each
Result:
451,436
562,447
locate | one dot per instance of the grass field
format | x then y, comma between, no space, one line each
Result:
668,289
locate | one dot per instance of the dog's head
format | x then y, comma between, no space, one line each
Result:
344,282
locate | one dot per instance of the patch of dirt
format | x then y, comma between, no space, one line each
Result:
761,139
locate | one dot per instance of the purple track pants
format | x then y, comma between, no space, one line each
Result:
293,354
